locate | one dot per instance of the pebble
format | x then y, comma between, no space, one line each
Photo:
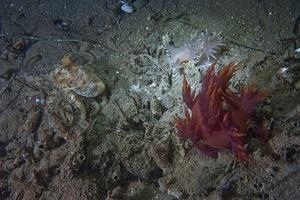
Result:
297,85
127,7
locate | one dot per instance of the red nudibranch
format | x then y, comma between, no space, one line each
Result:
218,118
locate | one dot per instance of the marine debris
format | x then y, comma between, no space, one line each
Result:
218,118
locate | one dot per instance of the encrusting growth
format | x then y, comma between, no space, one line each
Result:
217,118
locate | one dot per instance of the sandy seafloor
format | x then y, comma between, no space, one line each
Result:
129,149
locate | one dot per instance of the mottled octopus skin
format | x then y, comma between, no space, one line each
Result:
217,118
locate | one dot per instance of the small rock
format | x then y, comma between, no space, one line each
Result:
156,107
127,7
61,25
297,85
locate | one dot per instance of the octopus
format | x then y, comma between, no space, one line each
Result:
74,105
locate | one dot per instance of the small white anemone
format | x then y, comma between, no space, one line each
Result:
201,49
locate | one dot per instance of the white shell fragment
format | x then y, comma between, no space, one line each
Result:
127,7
